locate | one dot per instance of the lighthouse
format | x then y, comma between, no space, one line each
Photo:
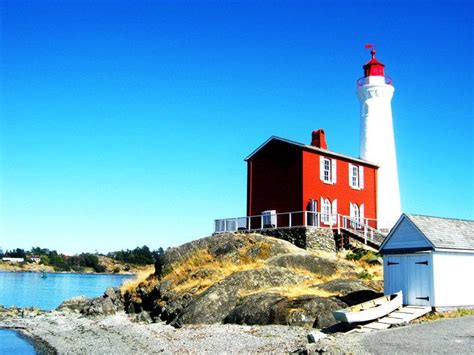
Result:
377,142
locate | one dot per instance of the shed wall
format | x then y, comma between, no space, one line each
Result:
406,236
453,279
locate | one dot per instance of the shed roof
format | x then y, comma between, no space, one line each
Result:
446,233
310,148
440,232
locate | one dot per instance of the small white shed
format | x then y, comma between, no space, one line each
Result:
431,259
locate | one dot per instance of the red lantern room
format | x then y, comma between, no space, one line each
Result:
373,66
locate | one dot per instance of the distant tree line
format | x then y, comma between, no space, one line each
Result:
138,256
60,262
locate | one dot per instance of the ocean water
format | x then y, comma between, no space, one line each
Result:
13,343
23,289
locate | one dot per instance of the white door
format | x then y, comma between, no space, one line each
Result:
412,275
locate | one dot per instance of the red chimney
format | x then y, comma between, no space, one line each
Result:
319,139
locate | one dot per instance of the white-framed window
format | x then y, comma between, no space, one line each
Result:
327,170
356,176
313,213
325,211
269,219
356,214
328,211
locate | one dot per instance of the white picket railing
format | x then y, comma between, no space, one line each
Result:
363,227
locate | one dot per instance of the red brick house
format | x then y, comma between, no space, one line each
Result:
285,176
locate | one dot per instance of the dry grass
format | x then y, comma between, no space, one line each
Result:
461,312
144,276
292,291
202,270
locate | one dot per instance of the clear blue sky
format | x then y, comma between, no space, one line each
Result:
126,123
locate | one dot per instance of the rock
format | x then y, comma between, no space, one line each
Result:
269,308
108,304
305,261
74,304
144,317
256,309
213,305
313,337
351,291
225,244
110,292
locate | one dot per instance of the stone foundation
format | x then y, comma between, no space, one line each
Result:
306,238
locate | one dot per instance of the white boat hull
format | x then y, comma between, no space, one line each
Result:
374,309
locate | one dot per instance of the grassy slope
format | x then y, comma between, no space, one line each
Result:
201,270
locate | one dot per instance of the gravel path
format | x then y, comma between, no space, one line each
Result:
117,334
447,336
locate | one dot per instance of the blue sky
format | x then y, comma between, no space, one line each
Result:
126,123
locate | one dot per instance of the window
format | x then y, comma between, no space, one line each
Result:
312,213
326,211
327,170
269,219
356,176
356,214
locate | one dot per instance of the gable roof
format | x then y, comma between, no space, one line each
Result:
309,147
442,233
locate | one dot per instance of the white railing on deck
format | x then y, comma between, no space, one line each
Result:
364,227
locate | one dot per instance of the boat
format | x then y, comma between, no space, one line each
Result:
370,310
43,275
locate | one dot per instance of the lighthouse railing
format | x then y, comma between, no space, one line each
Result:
367,80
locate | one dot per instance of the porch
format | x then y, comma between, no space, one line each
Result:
362,229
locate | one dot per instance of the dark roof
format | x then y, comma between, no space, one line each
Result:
309,147
445,233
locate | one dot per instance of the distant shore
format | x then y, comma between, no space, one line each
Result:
124,269
69,272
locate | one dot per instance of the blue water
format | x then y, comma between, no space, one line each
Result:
23,289
12,343
29,289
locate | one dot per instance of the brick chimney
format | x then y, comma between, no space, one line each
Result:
319,139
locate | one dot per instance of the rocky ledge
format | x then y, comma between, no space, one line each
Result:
248,279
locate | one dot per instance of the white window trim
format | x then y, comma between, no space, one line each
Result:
326,208
331,171
359,177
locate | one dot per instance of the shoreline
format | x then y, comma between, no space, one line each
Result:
40,345
68,332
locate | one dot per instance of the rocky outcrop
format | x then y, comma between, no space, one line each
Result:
228,245
218,301
244,279
108,304
268,308
351,291
305,261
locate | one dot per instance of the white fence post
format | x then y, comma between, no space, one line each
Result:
289,219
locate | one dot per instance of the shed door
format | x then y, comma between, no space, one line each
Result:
411,274
418,293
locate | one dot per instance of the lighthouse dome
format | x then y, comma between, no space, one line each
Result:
373,67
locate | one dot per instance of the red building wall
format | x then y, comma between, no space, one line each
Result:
284,177
314,188
274,179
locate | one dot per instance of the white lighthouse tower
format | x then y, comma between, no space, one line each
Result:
377,142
